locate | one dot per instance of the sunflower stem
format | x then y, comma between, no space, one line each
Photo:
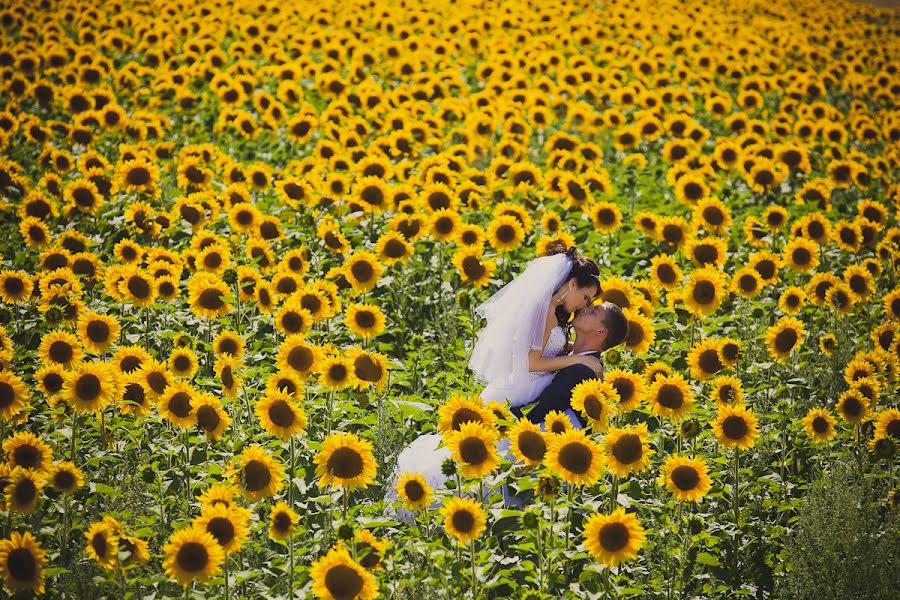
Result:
735,507
474,574
225,574
187,470
146,329
291,567
74,436
291,474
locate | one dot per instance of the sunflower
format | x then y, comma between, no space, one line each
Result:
840,298
282,521
627,449
292,319
102,542
746,282
791,300
819,425
613,539
887,423
505,233
35,232
336,576
630,388
60,348
183,362
22,563
227,524
256,473
710,251
464,519
860,282
280,415
297,355
686,478
735,426
704,291
346,461
727,389
474,446
648,223
665,272
712,215
365,320
362,270
392,248
192,554
670,396
89,387
852,407
691,189
14,395
818,287
177,405
136,286
673,232
370,549
473,269
15,286
640,332
607,217
828,343
155,378
369,368
136,549
26,450
704,359
23,490
65,477
413,490
336,373
206,294
595,399
212,418
528,442
574,457
801,255
784,337
557,422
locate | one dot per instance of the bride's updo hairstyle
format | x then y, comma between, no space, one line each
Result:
584,271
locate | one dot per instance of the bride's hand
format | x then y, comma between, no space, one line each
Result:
591,362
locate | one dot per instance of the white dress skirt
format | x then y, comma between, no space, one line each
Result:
425,454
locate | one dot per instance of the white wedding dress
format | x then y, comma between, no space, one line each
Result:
425,455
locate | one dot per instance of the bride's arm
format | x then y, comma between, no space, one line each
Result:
538,362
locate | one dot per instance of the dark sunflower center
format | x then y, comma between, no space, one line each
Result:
704,292
414,490
138,176
7,394
367,369
670,396
228,346
63,480
345,463
222,529
614,536
593,407
61,351
785,340
300,358
820,425
713,216
394,249
362,271
463,521
27,456
24,492
157,382
87,387
735,427
98,543
801,256
13,286
506,234
207,418
281,413
852,407
343,582
673,234
532,445
628,449
256,475
365,319
211,299
282,522
625,389
138,287
665,273
192,557
180,404
576,457
129,364
182,363
685,477
472,267
473,451
709,361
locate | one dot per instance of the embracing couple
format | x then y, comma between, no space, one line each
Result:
523,353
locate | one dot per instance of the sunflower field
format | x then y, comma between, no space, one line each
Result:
243,244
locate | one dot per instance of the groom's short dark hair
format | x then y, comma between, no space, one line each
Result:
616,327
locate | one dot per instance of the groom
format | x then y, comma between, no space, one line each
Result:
597,328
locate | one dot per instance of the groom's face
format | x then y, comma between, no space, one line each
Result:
591,318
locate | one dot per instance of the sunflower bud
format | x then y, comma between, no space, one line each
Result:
758,312
529,520
639,364
345,532
464,300
884,448
548,487
689,429
148,475
612,356
448,467
229,276
5,316
183,341
54,316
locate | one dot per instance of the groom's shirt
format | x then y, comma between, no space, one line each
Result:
558,395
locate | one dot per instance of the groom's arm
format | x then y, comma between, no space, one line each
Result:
558,394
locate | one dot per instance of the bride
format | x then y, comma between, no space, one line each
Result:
522,344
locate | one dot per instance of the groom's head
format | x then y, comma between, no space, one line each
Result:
600,326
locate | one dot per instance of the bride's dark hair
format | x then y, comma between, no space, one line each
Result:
584,271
